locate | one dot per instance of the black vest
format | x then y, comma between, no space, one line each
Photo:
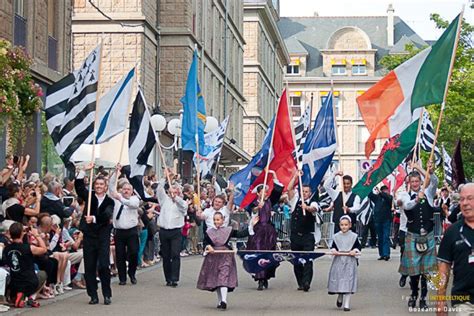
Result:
421,216
301,224
339,212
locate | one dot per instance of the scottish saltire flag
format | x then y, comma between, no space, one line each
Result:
255,261
113,109
214,142
244,178
427,136
320,145
194,116
301,131
448,169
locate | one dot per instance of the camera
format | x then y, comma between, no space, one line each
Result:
67,200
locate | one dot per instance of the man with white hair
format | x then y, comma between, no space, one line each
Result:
125,221
457,250
51,202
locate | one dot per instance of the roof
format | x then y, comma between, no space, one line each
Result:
399,47
313,33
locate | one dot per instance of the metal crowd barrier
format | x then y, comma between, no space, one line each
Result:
438,227
327,229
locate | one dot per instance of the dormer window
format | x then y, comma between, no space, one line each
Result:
359,69
338,70
293,69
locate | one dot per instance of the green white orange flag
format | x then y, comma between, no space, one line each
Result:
392,104
395,150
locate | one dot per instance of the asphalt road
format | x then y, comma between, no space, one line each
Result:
378,294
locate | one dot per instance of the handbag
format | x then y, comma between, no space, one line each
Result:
421,244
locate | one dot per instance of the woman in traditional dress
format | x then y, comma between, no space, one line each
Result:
265,237
219,272
343,272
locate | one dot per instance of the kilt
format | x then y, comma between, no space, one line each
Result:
415,263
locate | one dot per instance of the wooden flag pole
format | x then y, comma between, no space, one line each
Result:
269,155
94,134
417,145
198,156
334,114
298,164
443,104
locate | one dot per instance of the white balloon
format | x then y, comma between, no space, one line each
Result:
211,124
158,122
174,126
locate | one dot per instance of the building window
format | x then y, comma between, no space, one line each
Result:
293,69
295,103
337,103
19,8
52,38
19,29
338,70
359,69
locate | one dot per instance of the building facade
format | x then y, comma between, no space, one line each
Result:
265,58
43,28
343,54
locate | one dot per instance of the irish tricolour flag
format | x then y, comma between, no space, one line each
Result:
391,105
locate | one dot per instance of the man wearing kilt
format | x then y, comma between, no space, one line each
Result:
419,258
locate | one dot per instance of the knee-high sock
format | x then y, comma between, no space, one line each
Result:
346,300
414,285
224,294
424,287
219,296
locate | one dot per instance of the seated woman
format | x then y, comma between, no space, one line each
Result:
219,271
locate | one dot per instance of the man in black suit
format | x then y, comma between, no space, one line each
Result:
96,228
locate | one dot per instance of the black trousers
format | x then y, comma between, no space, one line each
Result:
365,234
170,240
50,266
303,242
97,259
126,248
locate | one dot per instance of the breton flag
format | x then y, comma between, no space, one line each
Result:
70,107
320,145
113,109
459,176
141,137
448,169
365,211
391,105
301,131
427,136
214,141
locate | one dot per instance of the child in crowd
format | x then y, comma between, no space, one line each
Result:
343,271
184,236
219,271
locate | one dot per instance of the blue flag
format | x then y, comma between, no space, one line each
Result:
255,261
194,116
244,178
320,145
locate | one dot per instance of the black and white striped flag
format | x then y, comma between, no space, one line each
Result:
214,140
141,137
301,131
70,107
448,169
365,211
427,136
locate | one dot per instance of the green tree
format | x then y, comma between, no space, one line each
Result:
458,117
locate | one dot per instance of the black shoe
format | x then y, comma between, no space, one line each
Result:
94,301
306,287
423,305
412,302
168,283
381,258
265,284
219,306
107,301
347,309
260,285
133,280
338,303
386,258
174,284
122,282
223,306
403,281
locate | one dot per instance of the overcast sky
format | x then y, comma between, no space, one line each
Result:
416,13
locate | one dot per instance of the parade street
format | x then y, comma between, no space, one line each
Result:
378,294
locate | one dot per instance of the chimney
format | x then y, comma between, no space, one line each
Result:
315,14
390,27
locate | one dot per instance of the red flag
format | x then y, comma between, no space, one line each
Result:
282,160
395,180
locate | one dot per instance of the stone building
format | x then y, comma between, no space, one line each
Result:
265,58
43,28
347,52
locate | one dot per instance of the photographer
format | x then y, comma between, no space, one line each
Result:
52,203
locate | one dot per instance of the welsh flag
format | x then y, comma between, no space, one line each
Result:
392,104
392,154
395,180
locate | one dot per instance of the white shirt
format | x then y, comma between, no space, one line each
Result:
209,216
333,194
430,192
129,216
295,200
172,211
